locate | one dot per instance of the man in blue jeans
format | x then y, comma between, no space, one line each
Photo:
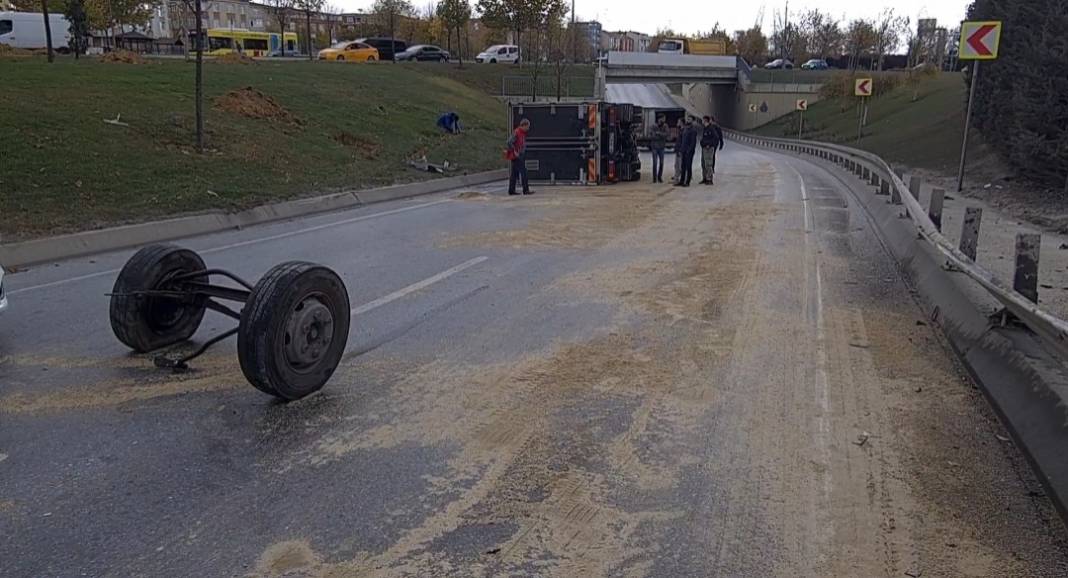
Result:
657,143
517,154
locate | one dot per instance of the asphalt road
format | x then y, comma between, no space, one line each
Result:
636,380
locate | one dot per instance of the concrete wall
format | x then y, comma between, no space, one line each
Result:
730,104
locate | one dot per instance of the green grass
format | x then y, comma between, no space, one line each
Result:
924,133
63,169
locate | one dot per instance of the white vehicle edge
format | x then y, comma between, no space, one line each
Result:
3,293
27,30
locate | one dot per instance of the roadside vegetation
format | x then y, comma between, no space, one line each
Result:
94,143
916,122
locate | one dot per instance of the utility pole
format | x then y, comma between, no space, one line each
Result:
574,35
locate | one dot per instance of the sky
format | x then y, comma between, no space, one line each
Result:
691,16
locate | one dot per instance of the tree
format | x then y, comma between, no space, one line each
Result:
859,41
751,45
519,16
455,14
887,32
307,7
48,31
111,14
280,10
1021,99
388,12
718,33
76,14
822,34
331,15
786,39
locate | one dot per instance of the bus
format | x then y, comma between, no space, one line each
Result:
229,40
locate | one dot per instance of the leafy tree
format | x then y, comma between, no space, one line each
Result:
76,14
520,16
1021,100
280,10
859,41
308,7
751,45
389,12
718,33
454,15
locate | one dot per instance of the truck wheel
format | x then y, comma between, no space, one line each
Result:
293,330
145,323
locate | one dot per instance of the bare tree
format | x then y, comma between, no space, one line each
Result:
821,32
281,11
751,45
390,11
888,29
331,15
308,7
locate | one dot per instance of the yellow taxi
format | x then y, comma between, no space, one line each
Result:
350,51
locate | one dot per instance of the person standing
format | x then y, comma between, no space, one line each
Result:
688,144
680,127
657,143
517,154
711,142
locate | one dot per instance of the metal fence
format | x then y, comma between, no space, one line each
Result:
547,86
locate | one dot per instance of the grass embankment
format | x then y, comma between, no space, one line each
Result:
305,128
917,126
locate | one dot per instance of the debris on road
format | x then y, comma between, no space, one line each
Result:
862,439
424,165
117,121
1002,438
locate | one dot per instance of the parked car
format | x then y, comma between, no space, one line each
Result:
423,52
815,64
3,293
27,30
288,54
779,64
388,48
351,51
499,53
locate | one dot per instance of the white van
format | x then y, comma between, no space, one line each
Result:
27,30
499,53
672,46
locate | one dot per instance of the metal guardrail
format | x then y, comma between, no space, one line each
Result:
547,86
1050,328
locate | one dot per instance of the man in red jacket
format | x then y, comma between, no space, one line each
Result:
517,153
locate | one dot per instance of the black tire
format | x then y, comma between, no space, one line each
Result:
371,59
150,323
493,61
340,58
293,330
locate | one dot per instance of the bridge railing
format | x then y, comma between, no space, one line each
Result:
547,86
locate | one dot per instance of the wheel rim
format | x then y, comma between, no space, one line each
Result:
163,313
308,333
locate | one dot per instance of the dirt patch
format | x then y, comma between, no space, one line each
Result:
285,559
123,57
364,146
235,58
10,52
251,103
472,196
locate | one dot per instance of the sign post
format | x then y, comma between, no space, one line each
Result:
978,41
862,87
801,106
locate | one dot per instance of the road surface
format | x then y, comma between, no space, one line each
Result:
636,380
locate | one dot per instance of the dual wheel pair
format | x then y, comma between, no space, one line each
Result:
292,328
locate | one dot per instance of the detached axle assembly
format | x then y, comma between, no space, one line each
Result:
292,327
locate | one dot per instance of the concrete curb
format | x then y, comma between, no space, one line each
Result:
89,242
1025,382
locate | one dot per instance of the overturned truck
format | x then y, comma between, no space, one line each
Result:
586,143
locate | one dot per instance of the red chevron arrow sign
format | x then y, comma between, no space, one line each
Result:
862,87
979,40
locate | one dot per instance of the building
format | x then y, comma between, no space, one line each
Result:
587,40
625,41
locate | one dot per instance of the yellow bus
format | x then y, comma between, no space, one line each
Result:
226,40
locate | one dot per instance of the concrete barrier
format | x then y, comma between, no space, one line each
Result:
89,242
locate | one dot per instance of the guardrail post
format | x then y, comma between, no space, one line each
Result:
858,169
865,174
969,234
895,195
934,210
1025,281
915,186
884,186
900,173
874,179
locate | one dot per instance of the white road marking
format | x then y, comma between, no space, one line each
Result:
401,293
243,243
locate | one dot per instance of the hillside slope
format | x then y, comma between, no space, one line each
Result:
276,130
921,133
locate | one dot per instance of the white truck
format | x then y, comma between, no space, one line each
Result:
27,30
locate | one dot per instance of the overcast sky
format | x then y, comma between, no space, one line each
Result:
690,16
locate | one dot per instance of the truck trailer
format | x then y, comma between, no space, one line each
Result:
587,143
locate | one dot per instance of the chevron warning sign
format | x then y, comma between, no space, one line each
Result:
863,87
979,40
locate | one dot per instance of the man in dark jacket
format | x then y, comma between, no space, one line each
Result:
711,142
517,154
688,146
657,143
